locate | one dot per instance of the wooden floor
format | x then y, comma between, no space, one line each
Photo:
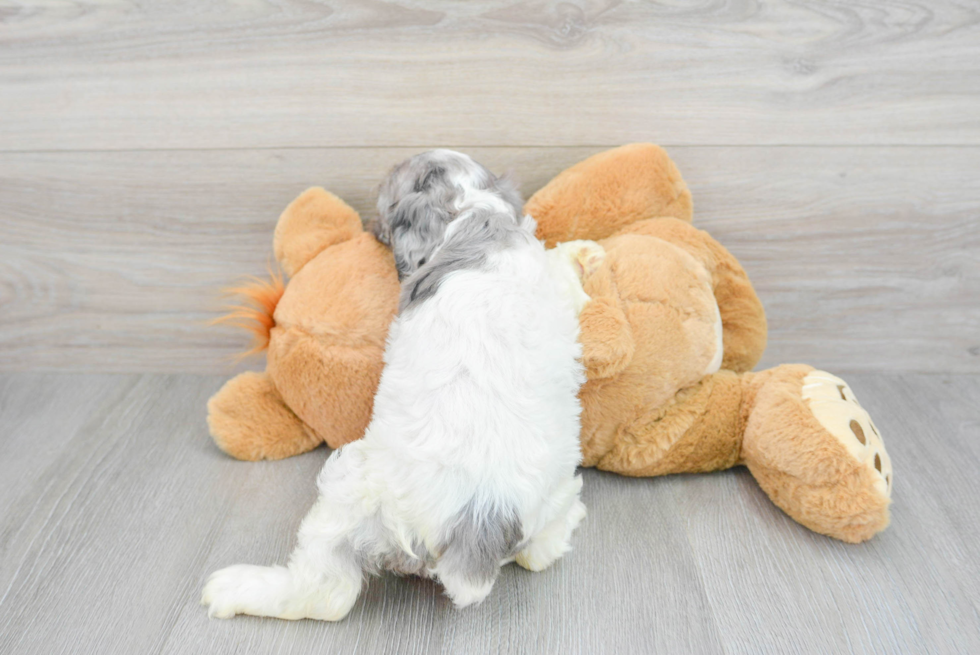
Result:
115,507
147,148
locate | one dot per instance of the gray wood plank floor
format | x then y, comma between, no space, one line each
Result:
115,507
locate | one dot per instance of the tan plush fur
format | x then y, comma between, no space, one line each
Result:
625,185
652,405
302,232
806,472
742,315
249,420
325,349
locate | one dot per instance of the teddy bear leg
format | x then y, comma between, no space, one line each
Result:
330,387
697,431
249,420
816,452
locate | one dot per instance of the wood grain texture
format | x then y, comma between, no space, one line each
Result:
146,150
805,593
271,73
865,258
123,508
40,416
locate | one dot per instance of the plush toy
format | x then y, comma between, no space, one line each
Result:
669,335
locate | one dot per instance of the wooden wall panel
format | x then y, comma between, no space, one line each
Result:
866,258
221,74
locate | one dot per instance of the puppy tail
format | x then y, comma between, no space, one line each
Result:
256,313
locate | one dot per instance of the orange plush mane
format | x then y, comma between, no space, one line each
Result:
255,314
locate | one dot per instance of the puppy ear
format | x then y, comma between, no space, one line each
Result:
420,225
528,224
508,188
381,230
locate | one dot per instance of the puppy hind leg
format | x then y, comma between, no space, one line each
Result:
273,591
554,539
322,580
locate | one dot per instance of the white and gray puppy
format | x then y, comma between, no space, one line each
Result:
469,460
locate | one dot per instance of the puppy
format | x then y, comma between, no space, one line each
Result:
469,460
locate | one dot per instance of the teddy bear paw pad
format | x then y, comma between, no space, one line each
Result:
835,406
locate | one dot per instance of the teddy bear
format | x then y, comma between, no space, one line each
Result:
670,335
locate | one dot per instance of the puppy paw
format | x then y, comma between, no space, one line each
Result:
589,255
464,593
539,556
575,516
551,543
272,591
570,263
241,589
834,405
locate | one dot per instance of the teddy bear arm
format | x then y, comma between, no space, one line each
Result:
249,420
314,221
600,195
743,319
744,329
606,338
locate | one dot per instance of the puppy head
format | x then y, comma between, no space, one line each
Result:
424,194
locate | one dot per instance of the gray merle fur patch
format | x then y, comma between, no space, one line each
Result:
467,248
479,540
419,199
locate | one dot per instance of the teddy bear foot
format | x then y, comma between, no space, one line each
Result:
816,452
837,409
249,420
